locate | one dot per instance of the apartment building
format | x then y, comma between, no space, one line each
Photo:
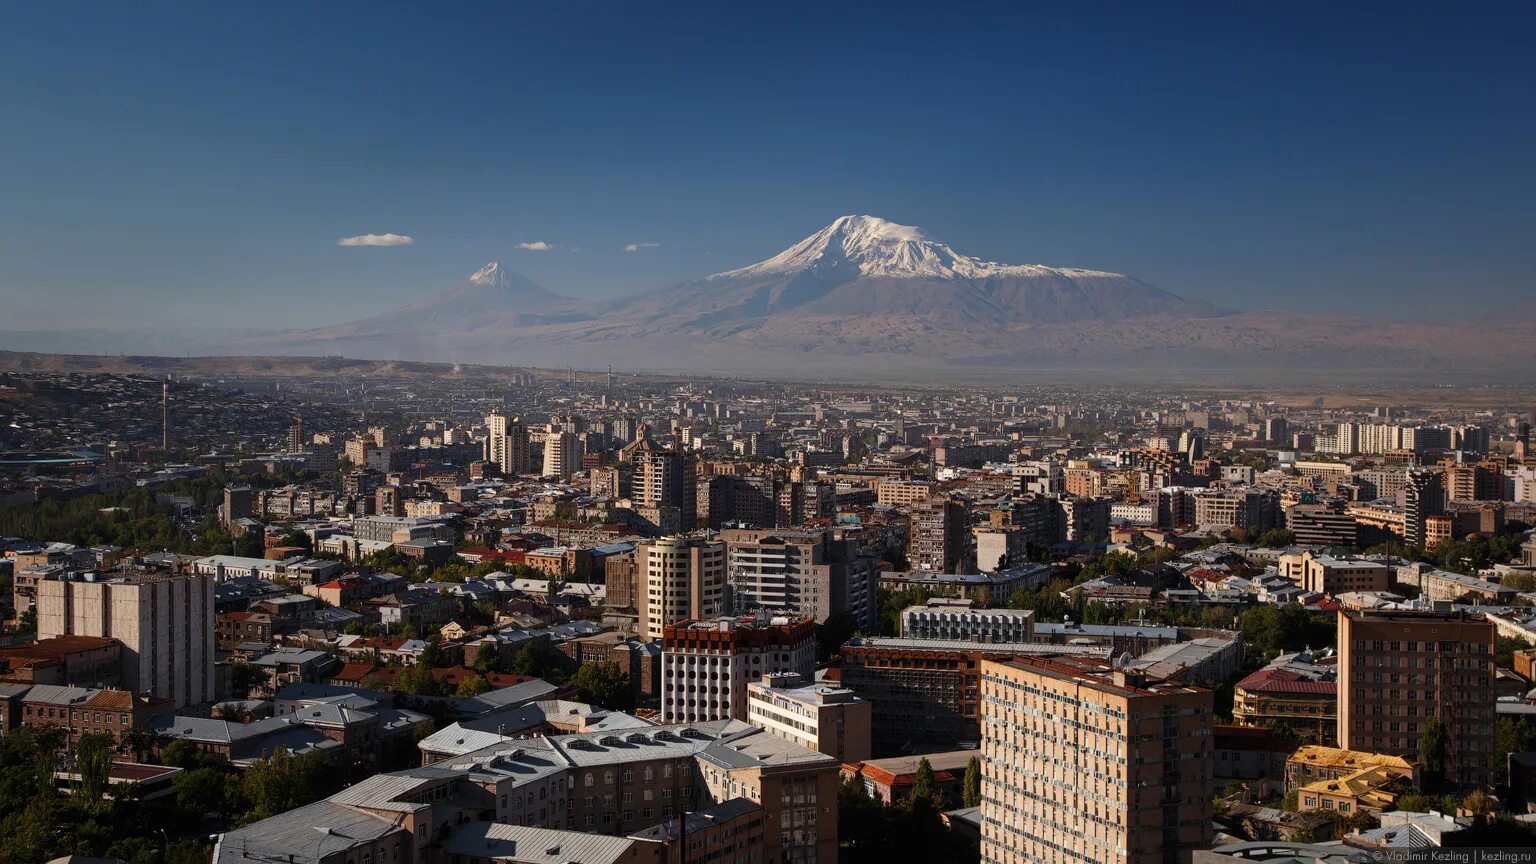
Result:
164,621
1337,574
1293,694
800,572
584,796
507,445
1398,669
1085,763
943,618
678,578
924,691
1321,524
825,718
938,536
707,665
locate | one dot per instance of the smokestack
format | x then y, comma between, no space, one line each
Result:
165,414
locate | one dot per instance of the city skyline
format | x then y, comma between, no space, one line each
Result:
1302,161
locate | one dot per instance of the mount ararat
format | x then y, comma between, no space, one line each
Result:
868,297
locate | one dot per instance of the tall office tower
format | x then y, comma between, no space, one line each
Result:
239,503
165,622
1086,765
165,414
507,444
665,478
938,537
562,454
1423,497
1399,669
678,578
1277,431
800,572
1192,444
707,665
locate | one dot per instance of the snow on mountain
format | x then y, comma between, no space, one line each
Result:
881,248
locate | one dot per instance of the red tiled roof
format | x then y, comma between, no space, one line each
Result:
1285,681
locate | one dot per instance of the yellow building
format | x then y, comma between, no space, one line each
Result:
1313,764
1371,789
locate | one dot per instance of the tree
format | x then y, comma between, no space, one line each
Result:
200,791
832,635
925,786
971,797
432,655
181,753
487,659
1432,749
281,781
93,761
528,661
474,685
140,742
604,683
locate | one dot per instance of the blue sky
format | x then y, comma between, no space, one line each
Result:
197,163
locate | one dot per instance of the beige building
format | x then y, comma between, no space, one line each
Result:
1335,574
1398,669
903,493
678,578
1082,763
827,719
562,454
164,621
507,445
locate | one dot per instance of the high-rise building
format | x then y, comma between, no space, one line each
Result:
707,665
1400,669
677,578
938,535
800,572
1277,431
664,478
507,444
1423,497
165,622
239,503
562,454
165,414
1082,763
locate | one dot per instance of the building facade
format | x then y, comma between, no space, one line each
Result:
707,665
165,623
1082,763
1401,669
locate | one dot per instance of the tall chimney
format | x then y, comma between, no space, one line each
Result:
165,414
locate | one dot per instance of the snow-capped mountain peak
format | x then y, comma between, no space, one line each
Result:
880,248
490,274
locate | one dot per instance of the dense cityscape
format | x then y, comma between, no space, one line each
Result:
447,616
767,433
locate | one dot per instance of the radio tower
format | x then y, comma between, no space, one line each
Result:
165,414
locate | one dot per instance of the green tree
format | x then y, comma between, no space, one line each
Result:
474,685
925,786
604,683
972,794
1432,749
487,659
200,791
93,761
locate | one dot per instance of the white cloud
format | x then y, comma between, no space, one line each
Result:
376,240
636,247
536,246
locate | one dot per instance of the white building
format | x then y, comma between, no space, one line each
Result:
707,665
956,619
827,719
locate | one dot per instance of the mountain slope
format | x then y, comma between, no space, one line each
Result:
864,266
